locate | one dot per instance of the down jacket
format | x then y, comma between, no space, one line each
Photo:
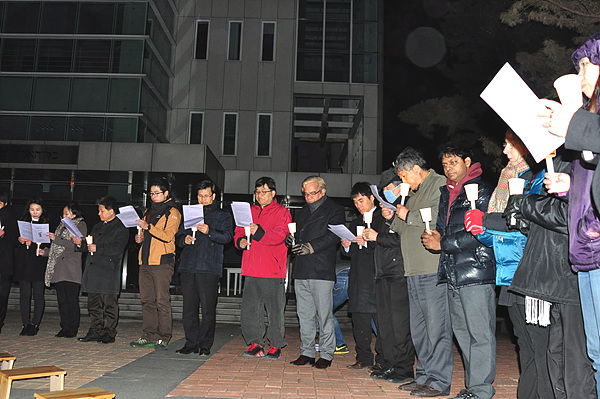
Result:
267,255
464,261
205,255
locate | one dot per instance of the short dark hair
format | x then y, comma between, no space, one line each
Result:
74,208
456,150
160,182
204,184
361,188
408,158
3,197
108,202
261,181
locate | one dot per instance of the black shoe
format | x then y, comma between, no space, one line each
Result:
70,334
186,350
107,339
204,352
90,338
61,333
381,374
26,329
33,330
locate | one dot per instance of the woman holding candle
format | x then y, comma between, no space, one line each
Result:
30,267
64,271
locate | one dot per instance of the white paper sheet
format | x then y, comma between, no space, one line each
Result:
68,222
518,106
192,215
342,231
25,230
383,202
241,213
40,232
128,216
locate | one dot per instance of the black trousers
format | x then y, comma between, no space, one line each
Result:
393,323
5,284
199,290
104,314
67,293
39,303
363,332
534,380
570,367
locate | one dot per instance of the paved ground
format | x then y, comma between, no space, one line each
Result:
145,373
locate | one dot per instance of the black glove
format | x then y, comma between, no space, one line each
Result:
289,241
514,217
302,249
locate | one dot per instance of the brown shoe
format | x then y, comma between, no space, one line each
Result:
377,367
411,386
322,363
302,360
358,366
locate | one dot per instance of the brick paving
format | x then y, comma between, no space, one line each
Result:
226,374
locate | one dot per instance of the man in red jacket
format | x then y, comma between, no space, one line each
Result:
264,264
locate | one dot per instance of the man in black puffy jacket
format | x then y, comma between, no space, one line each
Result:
468,267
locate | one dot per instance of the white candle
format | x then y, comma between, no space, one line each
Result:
37,251
90,240
247,231
426,217
368,218
472,191
359,231
139,230
194,230
404,189
292,229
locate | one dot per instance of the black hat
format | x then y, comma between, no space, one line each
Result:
388,176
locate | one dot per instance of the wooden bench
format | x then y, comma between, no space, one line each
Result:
57,377
7,360
81,393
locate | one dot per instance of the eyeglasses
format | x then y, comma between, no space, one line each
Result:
311,194
207,196
262,192
155,193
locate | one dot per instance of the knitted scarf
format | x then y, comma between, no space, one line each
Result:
499,197
56,250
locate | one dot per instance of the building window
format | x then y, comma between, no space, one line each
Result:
235,41
229,133
201,40
337,41
268,41
196,121
263,135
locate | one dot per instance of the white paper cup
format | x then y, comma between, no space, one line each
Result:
292,228
247,232
359,231
89,240
568,88
425,214
472,191
404,189
516,186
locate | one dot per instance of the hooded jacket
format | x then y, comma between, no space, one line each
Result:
464,260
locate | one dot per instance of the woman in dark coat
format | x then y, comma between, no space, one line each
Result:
64,271
30,267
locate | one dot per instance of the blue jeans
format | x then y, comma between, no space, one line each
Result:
589,292
340,296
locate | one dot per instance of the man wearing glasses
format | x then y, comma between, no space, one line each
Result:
264,264
314,271
201,268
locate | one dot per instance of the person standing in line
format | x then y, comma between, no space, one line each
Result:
314,271
64,271
201,268
8,240
158,227
102,275
30,270
264,264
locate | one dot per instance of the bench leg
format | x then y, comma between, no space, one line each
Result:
5,385
57,382
7,364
